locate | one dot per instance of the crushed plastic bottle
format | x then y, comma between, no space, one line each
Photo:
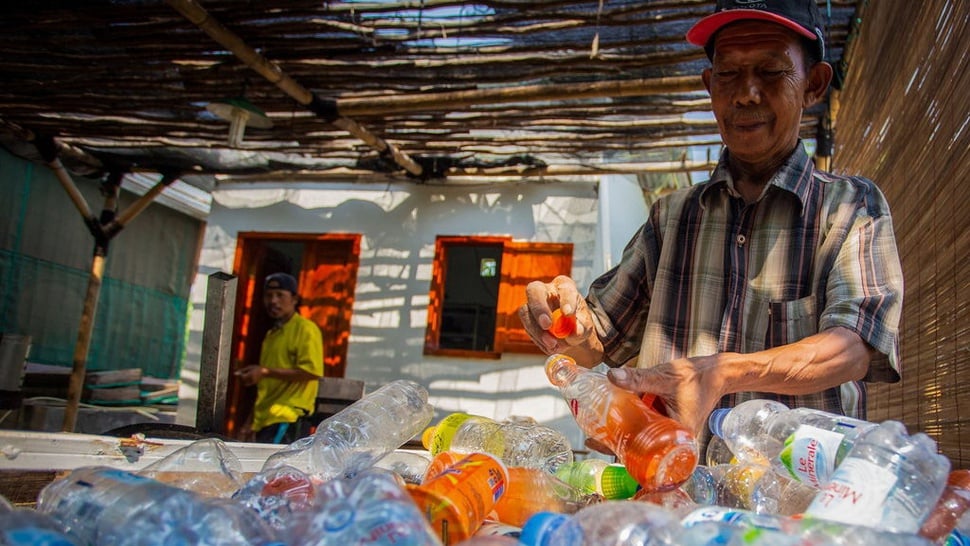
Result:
950,507
410,465
656,450
517,442
890,481
361,434
756,487
803,443
278,494
100,505
372,508
28,527
206,467
610,523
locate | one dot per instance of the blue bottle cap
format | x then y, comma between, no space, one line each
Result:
537,528
716,420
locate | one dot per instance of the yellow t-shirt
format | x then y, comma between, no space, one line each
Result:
297,344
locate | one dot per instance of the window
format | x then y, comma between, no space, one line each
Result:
477,286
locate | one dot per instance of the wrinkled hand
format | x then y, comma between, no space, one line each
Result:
689,387
250,375
536,314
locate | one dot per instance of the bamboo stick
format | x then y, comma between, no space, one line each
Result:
200,17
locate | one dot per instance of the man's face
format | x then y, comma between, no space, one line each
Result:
759,86
280,304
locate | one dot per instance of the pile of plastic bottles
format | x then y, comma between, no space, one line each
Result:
771,476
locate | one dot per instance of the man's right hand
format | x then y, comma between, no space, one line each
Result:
250,375
536,316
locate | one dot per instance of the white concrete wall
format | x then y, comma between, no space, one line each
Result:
398,224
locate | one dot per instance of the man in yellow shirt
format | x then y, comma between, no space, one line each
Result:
290,366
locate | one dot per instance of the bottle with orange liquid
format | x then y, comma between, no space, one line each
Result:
656,450
531,491
563,325
457,500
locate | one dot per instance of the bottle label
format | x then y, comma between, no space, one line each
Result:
857,493
809,454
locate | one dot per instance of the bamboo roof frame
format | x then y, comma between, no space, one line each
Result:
410,90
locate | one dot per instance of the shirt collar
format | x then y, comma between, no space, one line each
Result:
793,177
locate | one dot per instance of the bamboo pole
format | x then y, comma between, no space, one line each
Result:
397,104
195,13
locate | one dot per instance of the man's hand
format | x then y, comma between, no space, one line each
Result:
689,387
536,316
250,375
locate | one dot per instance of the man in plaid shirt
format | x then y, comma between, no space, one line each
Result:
771,280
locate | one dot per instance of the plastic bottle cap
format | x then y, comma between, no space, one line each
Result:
537,528
716,420
617,483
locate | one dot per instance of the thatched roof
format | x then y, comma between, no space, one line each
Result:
424,89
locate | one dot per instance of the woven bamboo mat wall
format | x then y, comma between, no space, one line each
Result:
904,121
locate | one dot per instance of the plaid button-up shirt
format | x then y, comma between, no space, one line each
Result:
708,273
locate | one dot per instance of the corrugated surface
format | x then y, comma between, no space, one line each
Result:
904,123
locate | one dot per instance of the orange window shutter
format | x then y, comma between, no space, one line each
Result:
522,263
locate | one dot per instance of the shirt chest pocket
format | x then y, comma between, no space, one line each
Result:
790,321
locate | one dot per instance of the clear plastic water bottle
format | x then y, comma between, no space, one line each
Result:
756,487
411,466
951,506
517,442
100,505
714,533
28,527
890,480
278,494
372,508
656,450
804,443
206,467
360,434
610,480
610,523
812,531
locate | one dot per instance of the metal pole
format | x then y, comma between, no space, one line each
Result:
220,305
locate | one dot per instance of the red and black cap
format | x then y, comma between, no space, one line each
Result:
801,16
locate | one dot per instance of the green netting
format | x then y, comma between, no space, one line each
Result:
44,255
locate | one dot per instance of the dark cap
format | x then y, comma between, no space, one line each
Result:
802,16
280,281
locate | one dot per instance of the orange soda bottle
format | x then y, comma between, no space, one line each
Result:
457,500
532,490
657,451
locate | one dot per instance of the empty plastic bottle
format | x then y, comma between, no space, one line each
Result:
757,488
373,508
890,480
714,533
206,467
28,527
277,494
610,523
657,451
804,443
410,465
952,504
531,490
360,434
100,505
517,442
812,531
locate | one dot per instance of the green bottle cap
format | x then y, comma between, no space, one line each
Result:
617,483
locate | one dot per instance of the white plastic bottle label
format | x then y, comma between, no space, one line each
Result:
856,494
809,454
